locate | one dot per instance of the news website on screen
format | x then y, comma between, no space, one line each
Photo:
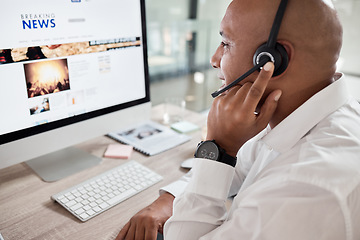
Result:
61,58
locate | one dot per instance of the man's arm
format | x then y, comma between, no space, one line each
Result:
162,208
276,207
150,220
201,208
147,222
231,122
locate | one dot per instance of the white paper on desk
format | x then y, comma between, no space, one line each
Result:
149,137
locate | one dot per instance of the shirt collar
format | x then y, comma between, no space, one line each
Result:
289,131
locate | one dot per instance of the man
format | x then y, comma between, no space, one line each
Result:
297,178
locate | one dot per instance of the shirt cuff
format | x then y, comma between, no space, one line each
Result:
178,187
175,188
211,178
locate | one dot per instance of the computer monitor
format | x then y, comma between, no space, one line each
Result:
69,71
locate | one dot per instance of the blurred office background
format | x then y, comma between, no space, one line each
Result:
183,35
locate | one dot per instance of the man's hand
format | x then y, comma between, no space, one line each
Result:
232,119
149,221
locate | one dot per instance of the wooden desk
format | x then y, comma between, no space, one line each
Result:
27,212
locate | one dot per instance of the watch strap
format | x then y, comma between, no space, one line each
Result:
227,159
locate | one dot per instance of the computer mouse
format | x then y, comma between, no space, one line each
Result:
188,163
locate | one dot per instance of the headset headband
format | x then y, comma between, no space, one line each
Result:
276,25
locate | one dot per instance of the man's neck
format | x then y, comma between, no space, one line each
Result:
290,101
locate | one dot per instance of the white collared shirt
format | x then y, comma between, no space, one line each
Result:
300,180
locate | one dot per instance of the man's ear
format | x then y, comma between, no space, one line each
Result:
289,48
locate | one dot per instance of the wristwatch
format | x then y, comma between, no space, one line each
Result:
211,150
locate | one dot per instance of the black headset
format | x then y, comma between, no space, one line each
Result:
269,51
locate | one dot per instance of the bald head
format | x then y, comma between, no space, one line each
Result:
311,26
314,29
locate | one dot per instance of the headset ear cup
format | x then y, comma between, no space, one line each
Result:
279,57
284,59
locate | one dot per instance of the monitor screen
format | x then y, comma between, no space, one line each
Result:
63,63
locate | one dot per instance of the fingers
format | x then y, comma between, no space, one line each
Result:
151,235
258,87
130,232
138,233
268,108
135,230
123,232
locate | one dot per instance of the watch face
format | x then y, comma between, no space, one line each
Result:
208,150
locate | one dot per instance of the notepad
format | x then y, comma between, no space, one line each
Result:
149,137
184,127
118,151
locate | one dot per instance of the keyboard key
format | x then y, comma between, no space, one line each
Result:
122,196
64,200
79,211
97,209
84,215
87,207
104,205
70,203
90,212
93,204
76,206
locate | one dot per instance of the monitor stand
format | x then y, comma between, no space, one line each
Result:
57,165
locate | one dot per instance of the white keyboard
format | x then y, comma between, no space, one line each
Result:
104,191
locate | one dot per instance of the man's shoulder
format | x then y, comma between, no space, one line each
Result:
342,124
